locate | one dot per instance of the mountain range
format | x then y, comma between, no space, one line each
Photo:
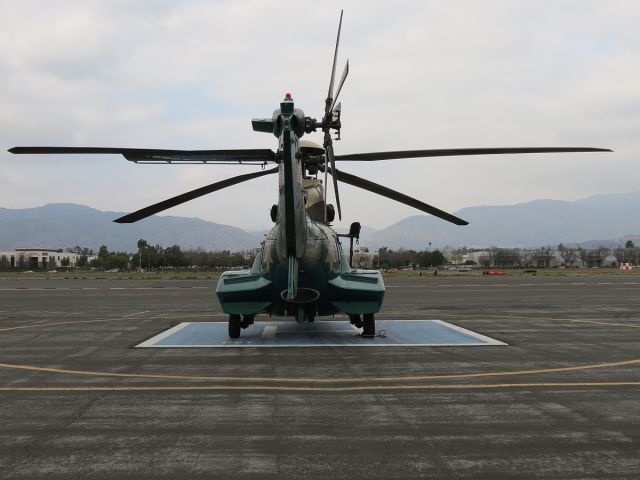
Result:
62,225
601,219
591,221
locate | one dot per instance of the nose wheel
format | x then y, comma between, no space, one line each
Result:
367,322
235,324
368,325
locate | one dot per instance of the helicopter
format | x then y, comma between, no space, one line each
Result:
301,269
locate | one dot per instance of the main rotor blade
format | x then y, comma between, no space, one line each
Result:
448,152
330,156
154,155
329,100
393,195
185,197
345,72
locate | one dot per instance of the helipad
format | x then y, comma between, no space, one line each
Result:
287,333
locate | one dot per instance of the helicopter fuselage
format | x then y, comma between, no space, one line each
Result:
300,268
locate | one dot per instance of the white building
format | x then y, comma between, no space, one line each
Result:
363,258
37,258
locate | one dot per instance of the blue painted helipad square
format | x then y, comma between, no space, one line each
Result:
286,333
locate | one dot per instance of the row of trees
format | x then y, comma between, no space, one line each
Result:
156,256
402,258
512,257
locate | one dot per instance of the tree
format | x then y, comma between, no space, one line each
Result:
492,252
603,253
505,257
174,256
542,257
629,244
383,257
526,257
584,256
568,255
431,259
103,253
437,258
119,260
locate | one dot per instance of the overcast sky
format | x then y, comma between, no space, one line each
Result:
423,74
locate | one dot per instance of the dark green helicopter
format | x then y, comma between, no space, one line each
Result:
301,268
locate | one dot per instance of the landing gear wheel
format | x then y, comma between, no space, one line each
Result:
369,325
234,326
356,321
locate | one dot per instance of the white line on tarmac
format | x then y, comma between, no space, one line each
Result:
31,289
134,314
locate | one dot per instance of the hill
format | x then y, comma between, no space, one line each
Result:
592,221
67,225
535,223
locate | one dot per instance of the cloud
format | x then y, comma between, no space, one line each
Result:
192,74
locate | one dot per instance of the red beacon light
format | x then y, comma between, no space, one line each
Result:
287,96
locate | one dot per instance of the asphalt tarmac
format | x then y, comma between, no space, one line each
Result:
561,401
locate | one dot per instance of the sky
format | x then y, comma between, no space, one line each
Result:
423,74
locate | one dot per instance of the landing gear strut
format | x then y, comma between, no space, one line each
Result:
369,325
234,326
311,314
304,313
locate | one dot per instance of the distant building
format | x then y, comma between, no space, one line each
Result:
480,258
363,258
44,258
537,258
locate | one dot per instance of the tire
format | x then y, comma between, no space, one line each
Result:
234,326
369,325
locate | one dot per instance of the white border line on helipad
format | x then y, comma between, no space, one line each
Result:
479,336
151,342
483,340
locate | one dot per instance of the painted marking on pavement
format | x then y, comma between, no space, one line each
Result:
73,322
361,388
320,380
167,333
607,323
269,331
